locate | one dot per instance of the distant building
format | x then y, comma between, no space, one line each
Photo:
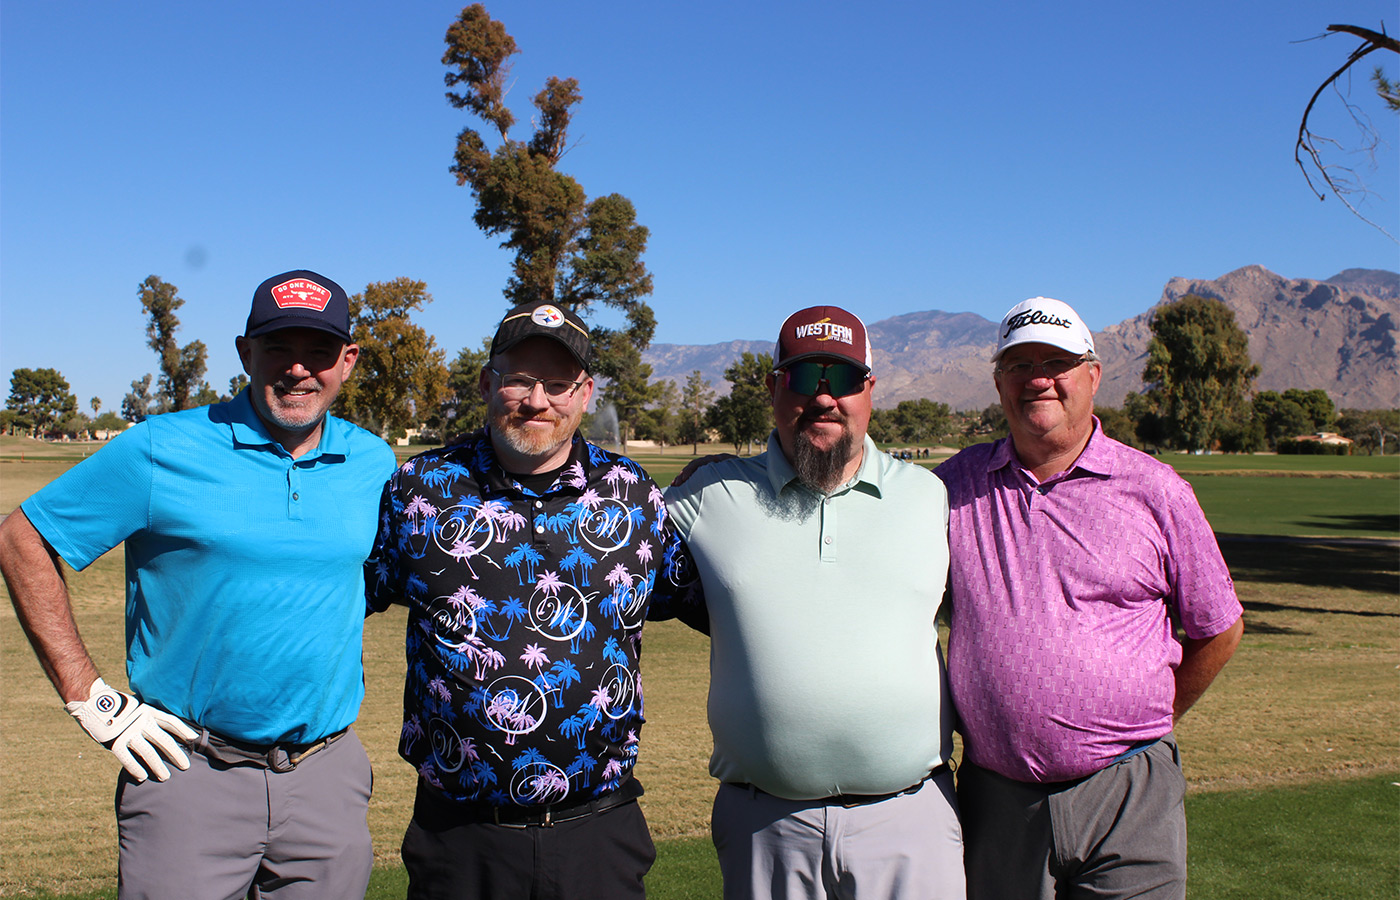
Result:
1326,437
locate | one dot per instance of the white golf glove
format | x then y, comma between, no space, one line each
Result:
132,730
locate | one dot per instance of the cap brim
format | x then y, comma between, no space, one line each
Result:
822,355
504,346
282,322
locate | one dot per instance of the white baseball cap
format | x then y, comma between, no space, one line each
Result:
1041,320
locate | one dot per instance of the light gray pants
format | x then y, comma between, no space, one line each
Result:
1119,833
905,847
221,832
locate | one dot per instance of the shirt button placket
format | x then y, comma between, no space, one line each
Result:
828,539
294,504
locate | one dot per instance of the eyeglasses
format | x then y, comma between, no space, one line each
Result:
842,379
516,386
1054,369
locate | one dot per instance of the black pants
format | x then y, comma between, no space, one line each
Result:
604,855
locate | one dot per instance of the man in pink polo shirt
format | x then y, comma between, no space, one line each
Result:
1072,556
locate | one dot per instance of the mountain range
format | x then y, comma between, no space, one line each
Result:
1339,334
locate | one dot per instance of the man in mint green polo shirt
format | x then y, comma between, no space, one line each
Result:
823,562
245,525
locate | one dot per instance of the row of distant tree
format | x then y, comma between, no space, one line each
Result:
1199,396
1199,393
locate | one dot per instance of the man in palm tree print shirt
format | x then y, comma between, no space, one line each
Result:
528,559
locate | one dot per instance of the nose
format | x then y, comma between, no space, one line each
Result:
536,400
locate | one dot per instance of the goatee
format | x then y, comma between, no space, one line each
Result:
822,470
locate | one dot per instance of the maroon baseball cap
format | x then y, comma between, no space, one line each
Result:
823,331
299,299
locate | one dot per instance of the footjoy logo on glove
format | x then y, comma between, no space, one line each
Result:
1034,317
299,293
106,704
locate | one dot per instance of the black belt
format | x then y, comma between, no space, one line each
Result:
280,758
434,811
851,800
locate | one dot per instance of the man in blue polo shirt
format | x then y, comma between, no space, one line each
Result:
245,526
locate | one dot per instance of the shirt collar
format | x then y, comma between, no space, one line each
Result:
500,482
249,431
1095,459
867,478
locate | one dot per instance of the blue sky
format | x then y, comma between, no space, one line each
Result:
887,157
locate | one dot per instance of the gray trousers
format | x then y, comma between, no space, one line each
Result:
905,847
226,832
1119,833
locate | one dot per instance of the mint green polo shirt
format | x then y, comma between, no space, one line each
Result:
825,672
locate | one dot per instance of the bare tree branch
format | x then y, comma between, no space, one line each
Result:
1307,143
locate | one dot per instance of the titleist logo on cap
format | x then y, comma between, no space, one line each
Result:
1034,317
301,293
825,330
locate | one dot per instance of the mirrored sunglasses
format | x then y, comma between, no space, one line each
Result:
805,377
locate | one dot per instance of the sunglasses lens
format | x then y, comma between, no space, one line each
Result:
804,377
842,379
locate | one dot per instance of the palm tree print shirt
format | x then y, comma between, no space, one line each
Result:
525,617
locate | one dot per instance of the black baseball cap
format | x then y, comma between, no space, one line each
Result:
545,320
299,299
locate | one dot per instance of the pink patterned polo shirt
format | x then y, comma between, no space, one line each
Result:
1063,593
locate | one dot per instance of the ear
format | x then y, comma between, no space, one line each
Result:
349,355
586,390
771,382
483,385
245,353
1095,376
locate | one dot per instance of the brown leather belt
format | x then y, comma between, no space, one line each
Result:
280,758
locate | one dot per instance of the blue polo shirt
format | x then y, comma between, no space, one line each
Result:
245,588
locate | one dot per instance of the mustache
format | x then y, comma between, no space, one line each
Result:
824,415
309,384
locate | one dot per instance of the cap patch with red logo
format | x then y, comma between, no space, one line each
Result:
299,299
301,293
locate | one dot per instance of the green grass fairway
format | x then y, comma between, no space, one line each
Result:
1335,839
1331,507
1291,757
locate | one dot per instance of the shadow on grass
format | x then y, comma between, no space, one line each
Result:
1362,566
1255,627
1367,523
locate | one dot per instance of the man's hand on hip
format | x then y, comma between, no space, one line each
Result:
133,731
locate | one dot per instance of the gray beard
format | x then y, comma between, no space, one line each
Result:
822,471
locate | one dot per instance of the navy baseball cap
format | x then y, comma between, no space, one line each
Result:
299,299
545,320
